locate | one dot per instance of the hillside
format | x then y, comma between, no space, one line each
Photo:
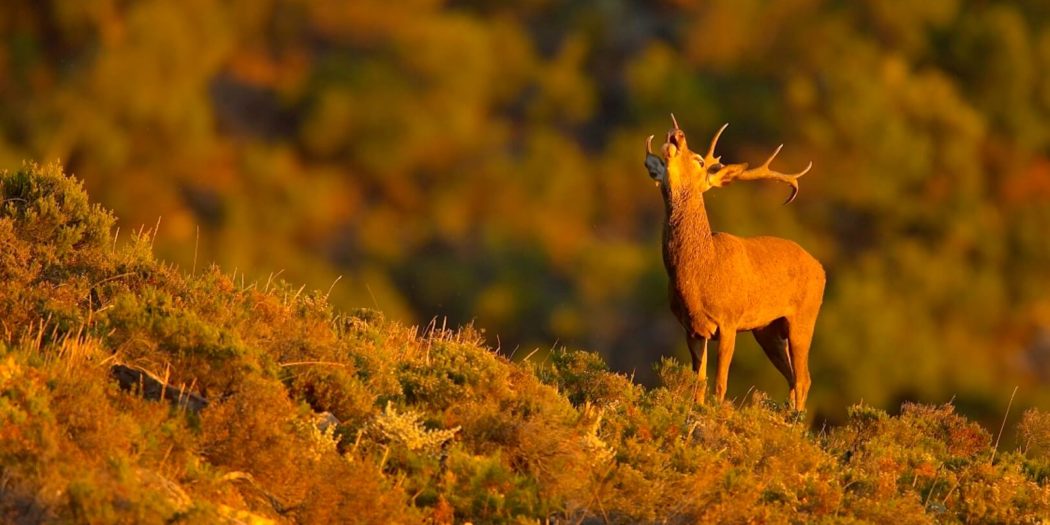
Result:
482,161
290,411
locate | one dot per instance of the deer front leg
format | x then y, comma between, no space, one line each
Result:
726,342
698,351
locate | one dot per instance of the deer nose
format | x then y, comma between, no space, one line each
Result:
676,137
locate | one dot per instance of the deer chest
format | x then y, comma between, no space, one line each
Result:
695,314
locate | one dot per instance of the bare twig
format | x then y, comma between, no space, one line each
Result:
156,230
949,494
112,278
933,486
271,278
373,296
744,399
330,288
301,288
301,363
1003,426
196,245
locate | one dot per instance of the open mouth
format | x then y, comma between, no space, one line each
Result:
674,144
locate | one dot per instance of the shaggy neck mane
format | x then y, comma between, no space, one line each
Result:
687,233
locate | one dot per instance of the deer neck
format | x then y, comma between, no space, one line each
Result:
688,238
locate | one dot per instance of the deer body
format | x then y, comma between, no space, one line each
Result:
720,284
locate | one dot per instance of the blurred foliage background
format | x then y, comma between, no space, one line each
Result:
482,161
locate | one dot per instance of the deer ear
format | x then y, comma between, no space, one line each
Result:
656,167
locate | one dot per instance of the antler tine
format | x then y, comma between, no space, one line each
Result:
675,121
740,172
773,156
714,142
649,145
794,193
805,171
793,182
777,174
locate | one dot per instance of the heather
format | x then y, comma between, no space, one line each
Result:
319,415
482,161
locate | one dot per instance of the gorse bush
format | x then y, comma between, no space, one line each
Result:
317,416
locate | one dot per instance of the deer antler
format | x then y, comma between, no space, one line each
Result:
710,159
721,175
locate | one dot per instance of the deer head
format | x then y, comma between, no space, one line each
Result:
676,167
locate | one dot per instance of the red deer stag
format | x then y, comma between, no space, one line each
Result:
721,284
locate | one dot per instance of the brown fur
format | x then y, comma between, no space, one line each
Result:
721,284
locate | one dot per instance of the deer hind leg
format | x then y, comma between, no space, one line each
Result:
726,342
773,340
698,351
800,335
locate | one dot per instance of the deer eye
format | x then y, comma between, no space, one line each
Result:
699,160
714,167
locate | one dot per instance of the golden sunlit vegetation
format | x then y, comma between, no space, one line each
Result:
482,161
321,416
